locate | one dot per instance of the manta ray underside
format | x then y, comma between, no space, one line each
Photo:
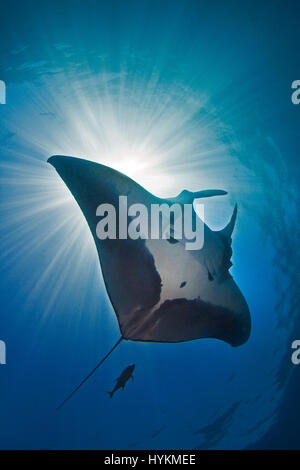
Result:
159,290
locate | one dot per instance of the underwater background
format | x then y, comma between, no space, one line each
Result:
177,95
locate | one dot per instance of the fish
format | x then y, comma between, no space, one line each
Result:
123,379
144,276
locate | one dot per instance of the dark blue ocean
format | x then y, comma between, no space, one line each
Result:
177,95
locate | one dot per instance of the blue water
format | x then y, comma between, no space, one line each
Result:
178,95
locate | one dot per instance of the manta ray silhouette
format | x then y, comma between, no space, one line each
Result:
160,291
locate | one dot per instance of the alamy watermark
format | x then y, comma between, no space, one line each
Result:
172,222
296,94
296,354
2,352
2,92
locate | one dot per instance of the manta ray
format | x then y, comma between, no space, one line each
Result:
159,290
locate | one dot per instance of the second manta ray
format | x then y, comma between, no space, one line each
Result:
160,291
123,379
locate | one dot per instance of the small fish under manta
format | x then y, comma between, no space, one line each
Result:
123,379
160,292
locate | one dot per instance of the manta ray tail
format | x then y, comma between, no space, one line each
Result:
90,374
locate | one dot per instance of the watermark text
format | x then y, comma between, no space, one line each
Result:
2,352
172,222
2,92
296,94
296,354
